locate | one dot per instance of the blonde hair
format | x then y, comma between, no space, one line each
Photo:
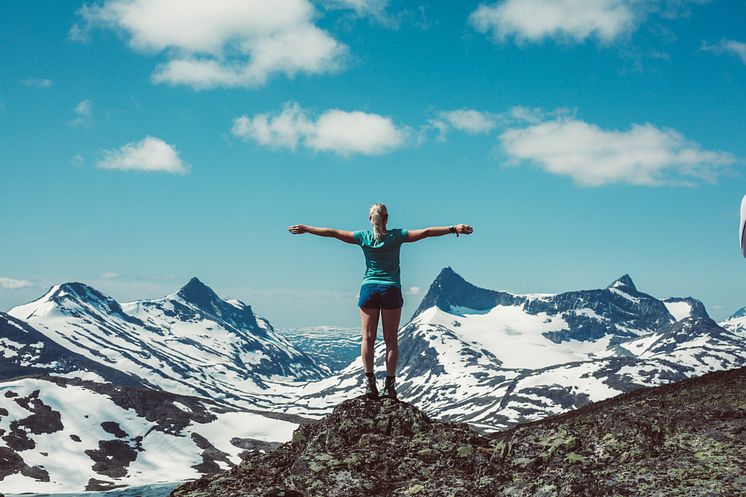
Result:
378,214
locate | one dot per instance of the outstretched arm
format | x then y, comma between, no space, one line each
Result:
299,229
460,229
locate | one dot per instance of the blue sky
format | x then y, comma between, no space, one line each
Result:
144,143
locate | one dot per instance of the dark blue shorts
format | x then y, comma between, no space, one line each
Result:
377,296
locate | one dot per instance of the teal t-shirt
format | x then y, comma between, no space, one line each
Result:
381,258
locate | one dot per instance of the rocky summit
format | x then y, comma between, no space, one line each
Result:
683,439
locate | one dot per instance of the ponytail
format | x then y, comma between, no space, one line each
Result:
378,214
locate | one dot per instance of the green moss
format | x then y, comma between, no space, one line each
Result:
345,425
465,450
298,436
500,450
352,459
414,489
575,457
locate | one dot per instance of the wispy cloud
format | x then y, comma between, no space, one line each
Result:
642,155
375,10
83,114
220,43
731,47
472,121
150,154
467,120
13,284
37,83
341,132
573,21
77,160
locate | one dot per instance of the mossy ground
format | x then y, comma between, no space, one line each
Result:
687,439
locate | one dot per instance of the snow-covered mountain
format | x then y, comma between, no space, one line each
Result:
330,345
495,359
68,435
191,342
737,321
24,351
489,358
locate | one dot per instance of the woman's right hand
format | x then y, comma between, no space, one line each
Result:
298,229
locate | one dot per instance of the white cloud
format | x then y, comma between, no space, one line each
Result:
13,284
468,120
109,276
338,131
571,20
83,113
220,43
414,290
37,83
535,20
731,47
591,156
149,154
474,122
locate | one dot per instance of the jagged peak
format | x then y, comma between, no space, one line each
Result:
448,275
449,289
198,293
624,282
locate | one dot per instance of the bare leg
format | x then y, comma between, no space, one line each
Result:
391,318
369,318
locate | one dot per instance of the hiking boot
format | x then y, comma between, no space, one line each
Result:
388,389
371,389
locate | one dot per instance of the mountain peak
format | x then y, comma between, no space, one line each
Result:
624,283
198,293
80,292
448,275
740,313
450,289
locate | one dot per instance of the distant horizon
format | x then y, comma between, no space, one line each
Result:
145,141
410,303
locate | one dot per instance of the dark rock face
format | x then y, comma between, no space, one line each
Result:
684,439
210,456
112,458
43,419
206,303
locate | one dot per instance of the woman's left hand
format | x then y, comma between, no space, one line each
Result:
298,229
464,229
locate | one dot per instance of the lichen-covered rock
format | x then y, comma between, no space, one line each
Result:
686,439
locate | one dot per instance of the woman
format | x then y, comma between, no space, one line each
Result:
380,291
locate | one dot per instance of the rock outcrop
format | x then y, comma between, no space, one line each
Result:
684,439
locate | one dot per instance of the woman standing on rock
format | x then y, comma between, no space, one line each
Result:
380,292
